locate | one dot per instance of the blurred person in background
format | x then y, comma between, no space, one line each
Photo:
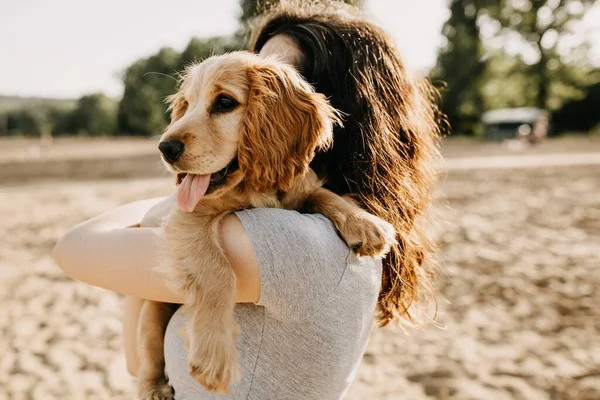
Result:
305,304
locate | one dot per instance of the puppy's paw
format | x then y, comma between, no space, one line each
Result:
214,365
157,392
367,235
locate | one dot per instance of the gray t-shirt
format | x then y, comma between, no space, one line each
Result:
305,337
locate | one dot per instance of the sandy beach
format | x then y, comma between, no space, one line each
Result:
518,287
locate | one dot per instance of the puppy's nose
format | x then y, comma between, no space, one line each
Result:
171,150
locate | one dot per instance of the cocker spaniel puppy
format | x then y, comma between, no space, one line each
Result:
243,132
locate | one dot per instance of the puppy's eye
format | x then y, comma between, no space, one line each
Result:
224,103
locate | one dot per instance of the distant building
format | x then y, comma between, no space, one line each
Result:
531,124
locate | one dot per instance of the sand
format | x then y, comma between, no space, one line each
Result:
518,290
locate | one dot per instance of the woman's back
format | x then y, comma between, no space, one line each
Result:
306,336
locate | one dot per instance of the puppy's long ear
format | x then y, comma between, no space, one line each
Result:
285,122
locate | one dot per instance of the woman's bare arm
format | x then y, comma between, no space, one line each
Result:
105,252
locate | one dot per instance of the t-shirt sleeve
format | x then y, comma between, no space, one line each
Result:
301,260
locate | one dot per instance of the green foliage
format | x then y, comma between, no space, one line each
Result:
199,49
541,25
142,110
30,116
579,115
546,74
505,83
147,82
23,122
460,67
94,114
16,103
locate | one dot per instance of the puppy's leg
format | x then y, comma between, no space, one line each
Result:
366,234
199,267
212,331
152,383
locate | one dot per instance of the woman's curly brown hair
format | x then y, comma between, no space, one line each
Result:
385,154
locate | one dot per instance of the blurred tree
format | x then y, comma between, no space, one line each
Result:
460,66
147,82
57,121
579,115
199,49
505,83
3,125
545,27
94,114
24,122
142,110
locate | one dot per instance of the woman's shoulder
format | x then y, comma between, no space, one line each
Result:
301,259
297,230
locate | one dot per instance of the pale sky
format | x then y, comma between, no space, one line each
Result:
67,48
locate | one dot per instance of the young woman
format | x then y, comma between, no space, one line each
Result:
305,303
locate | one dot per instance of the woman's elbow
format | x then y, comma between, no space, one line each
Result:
63,254
132,367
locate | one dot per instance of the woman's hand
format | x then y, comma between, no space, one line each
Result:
158,212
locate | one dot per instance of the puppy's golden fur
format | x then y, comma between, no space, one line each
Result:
258,146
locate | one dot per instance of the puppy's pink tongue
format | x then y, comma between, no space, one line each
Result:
191,190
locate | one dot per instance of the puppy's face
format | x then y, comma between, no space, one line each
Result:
206,120
239,117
